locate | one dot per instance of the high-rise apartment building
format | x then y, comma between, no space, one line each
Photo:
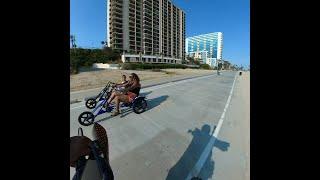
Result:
151,31
207,47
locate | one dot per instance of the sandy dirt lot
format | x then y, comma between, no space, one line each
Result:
94,79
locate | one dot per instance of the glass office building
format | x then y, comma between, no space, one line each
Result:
207,47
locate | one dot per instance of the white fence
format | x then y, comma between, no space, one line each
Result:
105,66
189,65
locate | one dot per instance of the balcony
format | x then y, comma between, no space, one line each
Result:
115,18
116,14
132,7
147,24
132,21
131,24
115,23
132,14
117,1
116,27
117,44
147,5
147,2
132,42
147,13
116,31
116,38
116,9
147,37
131,35
148,43
147,32
147,19
114,5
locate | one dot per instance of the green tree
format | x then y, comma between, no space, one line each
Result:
197,62
205,66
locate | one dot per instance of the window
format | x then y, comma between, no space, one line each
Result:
127,59
165,60
159,60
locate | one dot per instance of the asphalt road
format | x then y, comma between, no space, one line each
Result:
171,139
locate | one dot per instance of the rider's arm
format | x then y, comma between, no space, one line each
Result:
120,84
134,85
123,84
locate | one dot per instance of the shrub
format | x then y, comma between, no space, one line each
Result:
205,66
128,66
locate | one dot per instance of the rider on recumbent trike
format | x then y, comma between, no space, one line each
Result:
127,94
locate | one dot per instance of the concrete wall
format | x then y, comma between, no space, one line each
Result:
189,65
108,26
125,25
133,58
105,66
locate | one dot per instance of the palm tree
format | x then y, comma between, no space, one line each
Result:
73,41
103,44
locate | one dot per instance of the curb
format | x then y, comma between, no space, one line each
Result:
74,101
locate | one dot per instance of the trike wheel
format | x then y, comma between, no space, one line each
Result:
86,118
91,103
139,106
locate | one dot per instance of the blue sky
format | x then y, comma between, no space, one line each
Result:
232,17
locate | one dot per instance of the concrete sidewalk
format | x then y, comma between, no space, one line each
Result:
78,96
231,154
165,141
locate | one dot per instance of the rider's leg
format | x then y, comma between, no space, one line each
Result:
113,95
118,99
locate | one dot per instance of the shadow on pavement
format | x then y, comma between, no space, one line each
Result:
104,119
152,103
144,94
192,154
